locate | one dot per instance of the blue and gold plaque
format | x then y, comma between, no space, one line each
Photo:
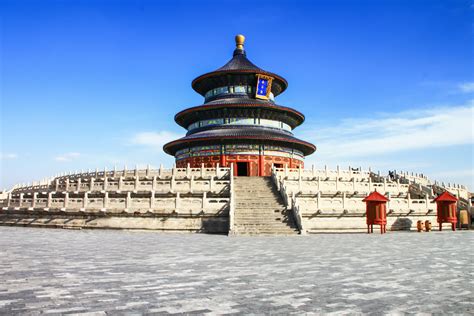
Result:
264,87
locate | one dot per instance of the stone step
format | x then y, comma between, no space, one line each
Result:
259,208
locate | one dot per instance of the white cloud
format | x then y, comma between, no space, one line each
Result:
154,139
8,156
67,157
467,87
408,130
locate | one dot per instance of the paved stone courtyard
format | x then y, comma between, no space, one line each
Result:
124,272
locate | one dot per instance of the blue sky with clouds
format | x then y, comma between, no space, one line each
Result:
86,84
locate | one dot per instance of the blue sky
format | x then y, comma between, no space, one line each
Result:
86,84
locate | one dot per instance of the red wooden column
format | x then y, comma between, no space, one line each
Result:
261,165
446,210
376,211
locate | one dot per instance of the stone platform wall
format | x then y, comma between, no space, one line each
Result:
178,199
331,200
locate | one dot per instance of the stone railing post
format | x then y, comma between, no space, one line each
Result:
232,200
33,201
92,184
204,201
178,202
50,199
191,184
343,201
153,184
120,183
389,195
172,184
106,200
128,201
67,184
106,182
318,202
21,200
152,200
85,200
79,181
136,182
56,184
66,200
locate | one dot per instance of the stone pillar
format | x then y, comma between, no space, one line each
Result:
79,181
128,202
191,182
178,202
136,182
188,170
67,184
343,199
106,182
56,184
153,184
409,201
33,201
85,200
106,199
204,201
9,199
120,183
389,196
318,197
202,170
370,184
91,185
66,199
172,183
21,199
152,200
50,199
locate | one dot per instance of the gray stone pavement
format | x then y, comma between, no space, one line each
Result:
124,272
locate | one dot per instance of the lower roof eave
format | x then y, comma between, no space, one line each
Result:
172,147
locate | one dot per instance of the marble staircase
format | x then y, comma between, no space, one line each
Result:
259,208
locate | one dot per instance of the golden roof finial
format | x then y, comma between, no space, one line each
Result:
239,41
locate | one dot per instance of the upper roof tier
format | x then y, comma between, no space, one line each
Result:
238,71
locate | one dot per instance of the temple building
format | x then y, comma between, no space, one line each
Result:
240,121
